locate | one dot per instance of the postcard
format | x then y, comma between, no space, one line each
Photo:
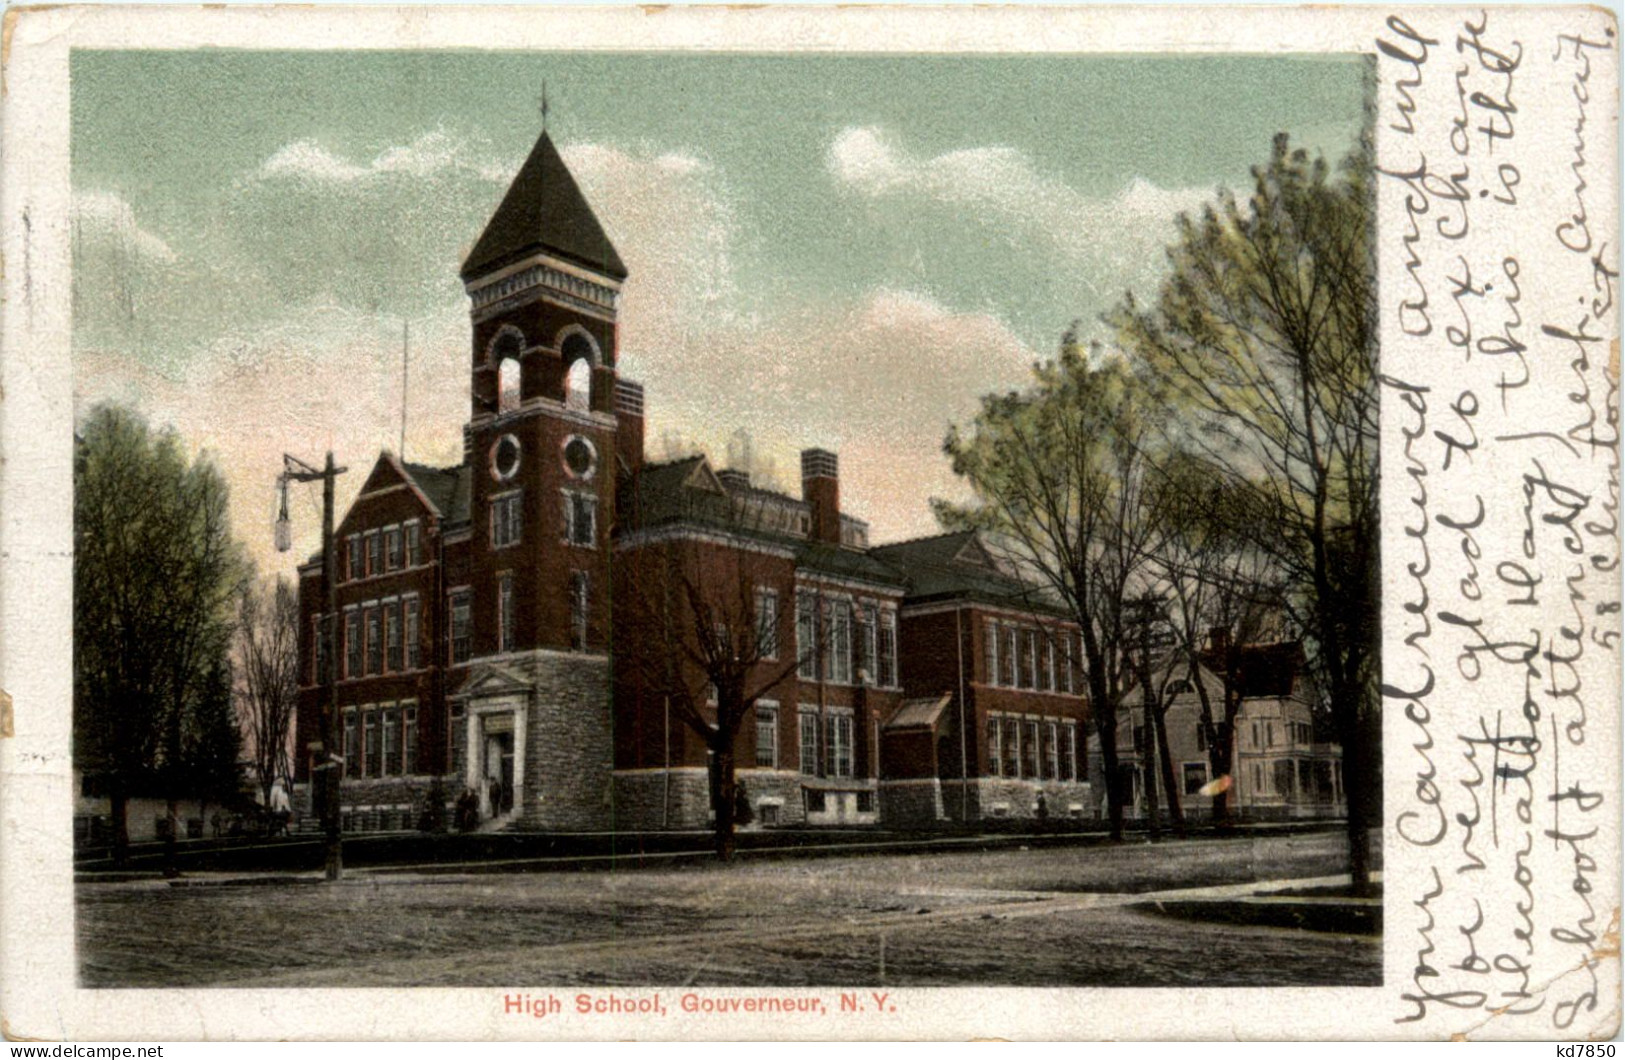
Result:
810,523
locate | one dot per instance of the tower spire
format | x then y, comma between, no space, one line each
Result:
544,105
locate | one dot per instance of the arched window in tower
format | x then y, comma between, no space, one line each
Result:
505,351
577,352
508,384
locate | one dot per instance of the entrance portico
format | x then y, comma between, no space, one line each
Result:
497,720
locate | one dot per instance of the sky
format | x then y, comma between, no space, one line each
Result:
836,251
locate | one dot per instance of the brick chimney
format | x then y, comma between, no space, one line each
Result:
821,489
629,427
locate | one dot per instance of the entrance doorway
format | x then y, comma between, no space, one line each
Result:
496,768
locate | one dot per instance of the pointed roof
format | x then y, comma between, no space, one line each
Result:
544,210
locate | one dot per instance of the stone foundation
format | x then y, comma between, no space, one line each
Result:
652,800
912,803
998,797
680,799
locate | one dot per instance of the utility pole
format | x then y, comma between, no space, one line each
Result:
296,470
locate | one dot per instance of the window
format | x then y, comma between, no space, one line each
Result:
392,634
868,636
580,589
807,636
357,560
990,646
995,764
1269,734
375,641
1047,678
372,747
1052,745
1007,664
508,389
840,654
412,544
409,739
506,519
1029,749
393,557
767,624
1010,733
808,740
580,519
375,549
840,745
461,634
888,649
352,643
1066,661
1195,777
1139,739
767,735
1255,734
352,764
1029,658
578,385
392,742
505,630
1069,750
1284,772
457,739
414,631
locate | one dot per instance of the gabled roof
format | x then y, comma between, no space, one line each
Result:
544,210
447,488
675,490
959,565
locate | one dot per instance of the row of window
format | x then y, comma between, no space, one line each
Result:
381,740
1028,657
380,636
857,641
1031,748
462,616
391,548
1297,733
827,753
580,518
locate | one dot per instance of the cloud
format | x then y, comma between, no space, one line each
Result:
432,154
1001,188
105,217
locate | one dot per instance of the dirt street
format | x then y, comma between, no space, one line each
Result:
1056,917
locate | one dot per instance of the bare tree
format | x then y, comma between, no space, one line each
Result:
268,675
1263,335
702,645
1059,473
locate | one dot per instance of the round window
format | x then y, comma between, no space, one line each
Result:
579,456
505,457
